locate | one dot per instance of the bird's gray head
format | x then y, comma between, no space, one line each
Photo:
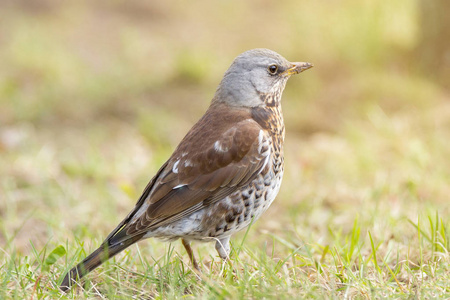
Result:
257,78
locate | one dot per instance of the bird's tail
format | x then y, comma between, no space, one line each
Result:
95,259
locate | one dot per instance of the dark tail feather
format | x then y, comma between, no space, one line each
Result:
95,259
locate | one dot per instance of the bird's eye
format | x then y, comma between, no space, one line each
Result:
273,69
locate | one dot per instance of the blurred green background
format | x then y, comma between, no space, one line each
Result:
94,96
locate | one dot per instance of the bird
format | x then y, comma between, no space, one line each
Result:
222,176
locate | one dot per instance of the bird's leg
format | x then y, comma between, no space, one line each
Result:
223,248
187,246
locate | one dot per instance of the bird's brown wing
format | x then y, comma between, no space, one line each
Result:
201,171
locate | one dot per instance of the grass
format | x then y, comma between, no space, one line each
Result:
356,265
88,114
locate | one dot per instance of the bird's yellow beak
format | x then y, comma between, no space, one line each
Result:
298,67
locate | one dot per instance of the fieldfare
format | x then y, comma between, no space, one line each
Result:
225,172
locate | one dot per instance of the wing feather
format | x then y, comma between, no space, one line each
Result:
192,179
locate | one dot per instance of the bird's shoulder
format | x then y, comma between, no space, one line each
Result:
224,135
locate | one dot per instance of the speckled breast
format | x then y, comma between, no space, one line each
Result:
246,205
